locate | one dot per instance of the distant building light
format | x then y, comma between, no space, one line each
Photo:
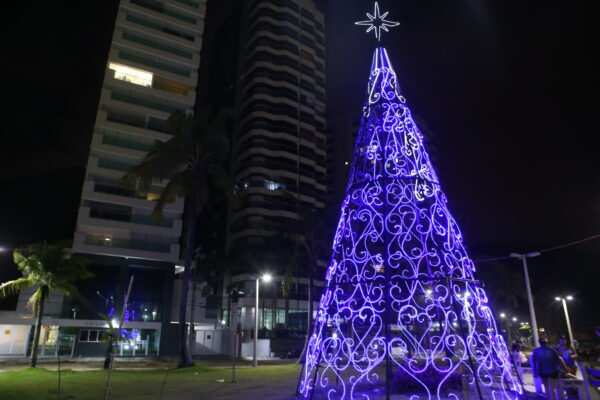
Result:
271,185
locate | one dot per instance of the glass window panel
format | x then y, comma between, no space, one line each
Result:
93,336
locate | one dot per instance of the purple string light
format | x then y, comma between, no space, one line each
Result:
402,311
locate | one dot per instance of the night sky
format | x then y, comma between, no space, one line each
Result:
506,87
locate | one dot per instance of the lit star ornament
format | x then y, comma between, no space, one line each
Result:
377,22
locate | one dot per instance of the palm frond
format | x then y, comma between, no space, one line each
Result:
177,186
14,287
71,291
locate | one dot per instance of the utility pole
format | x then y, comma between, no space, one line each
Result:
534,327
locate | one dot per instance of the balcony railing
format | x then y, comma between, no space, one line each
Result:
127,244
114,165
125,142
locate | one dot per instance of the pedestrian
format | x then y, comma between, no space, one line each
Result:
568,354
519,359
547,364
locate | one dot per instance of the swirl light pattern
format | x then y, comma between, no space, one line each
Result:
402,314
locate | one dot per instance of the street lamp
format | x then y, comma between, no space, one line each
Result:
534,327
564,303
267,278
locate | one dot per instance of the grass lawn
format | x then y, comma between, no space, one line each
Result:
198,383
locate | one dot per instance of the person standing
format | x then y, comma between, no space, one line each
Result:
568,354
547,364
519,359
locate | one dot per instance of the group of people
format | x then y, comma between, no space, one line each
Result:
547,363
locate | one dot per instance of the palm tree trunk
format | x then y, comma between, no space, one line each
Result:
310,312
311,307
38,326
186,357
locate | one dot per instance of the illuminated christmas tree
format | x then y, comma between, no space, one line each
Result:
402,314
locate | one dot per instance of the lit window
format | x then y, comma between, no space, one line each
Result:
131,75
270,185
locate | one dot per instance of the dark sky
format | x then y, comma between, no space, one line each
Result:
507,88
508,91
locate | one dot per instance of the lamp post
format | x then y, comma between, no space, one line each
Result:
267,278
508,326
564,303
534,327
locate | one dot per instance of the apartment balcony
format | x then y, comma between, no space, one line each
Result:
126,197
166,84
136,223
188,17
162,45
118,147
134,126
102,245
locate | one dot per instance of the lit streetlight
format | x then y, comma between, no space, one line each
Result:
534,327
267,278
564,303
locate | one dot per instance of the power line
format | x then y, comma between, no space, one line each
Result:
562,246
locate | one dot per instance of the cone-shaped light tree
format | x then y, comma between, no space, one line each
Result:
402,313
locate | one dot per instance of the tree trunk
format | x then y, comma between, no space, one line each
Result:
38,327
311,307
109,352
310,313
186,357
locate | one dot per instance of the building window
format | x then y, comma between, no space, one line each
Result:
90,336
131,75
271,185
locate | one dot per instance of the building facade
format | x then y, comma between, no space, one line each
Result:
279,159
151,72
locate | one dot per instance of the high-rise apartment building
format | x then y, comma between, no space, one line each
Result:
280,144
268,57
151,72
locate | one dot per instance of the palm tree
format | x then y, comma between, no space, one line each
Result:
313,234
47,267
192,162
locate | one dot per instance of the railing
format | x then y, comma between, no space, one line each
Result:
143,102
127,244
150,125
159,7
114,165
125,142
159,27
154,64
141,219
124,217
157,45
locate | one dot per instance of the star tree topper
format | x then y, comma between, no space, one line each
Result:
377,22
